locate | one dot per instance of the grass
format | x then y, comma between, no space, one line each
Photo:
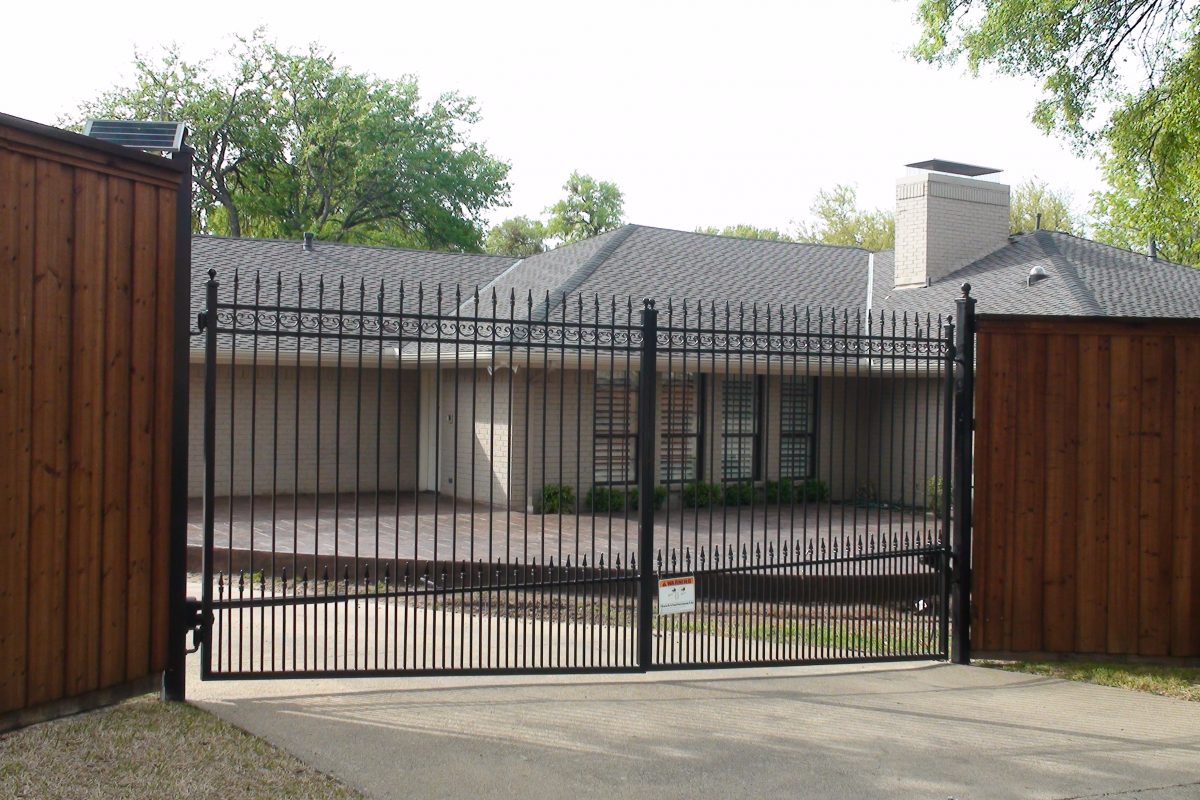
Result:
146,748
1182,683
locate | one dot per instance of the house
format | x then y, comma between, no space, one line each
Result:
872,437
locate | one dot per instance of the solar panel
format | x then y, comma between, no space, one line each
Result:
953,167
161,136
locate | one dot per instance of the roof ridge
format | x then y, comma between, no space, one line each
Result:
589,267
1123,250
1078,288
357,245
753,239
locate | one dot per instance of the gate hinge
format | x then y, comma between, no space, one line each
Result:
198,622
201,324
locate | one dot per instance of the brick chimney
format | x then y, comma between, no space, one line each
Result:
946,218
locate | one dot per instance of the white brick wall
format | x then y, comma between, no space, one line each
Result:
944,222
246,407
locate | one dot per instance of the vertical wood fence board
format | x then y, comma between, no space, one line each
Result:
141,428
1154,500
16,368
1000,517
1061,530
161,522
981,501
1091,590
87,434
1123,469
1185,551
51,390
1030,495
116,433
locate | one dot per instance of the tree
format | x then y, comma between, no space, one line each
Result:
746,232
590,208
288,142
837,219
1119,80
1035,197
519,237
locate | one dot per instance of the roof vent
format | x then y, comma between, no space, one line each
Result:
1036,273
308,241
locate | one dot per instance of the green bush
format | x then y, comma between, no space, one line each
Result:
780,491
810,491
739,494
660,497
609,498
933,489
556,498
701,495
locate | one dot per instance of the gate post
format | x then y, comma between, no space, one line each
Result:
647,403
964,427
174,677
210,466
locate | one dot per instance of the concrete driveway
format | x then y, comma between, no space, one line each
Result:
911,731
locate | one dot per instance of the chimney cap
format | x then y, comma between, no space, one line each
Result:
308,240
953,167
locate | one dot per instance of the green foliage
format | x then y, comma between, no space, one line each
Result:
933,492
810,491
1120,80
660,497
746,232
290,141
610,498
1152,166
739,494
590,208
556,498
1034,197
701,495
519,237
837,219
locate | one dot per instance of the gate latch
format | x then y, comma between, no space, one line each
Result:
198,622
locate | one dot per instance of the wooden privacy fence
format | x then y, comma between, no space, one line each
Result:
1087,487
88,322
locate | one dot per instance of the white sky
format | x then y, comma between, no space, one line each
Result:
703,113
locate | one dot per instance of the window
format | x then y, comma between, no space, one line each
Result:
741,398
797,427
614,440
679,400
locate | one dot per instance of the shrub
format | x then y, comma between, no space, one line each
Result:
660,497
609,498
701,495
933,489
811,491
556,498
780,491
739,494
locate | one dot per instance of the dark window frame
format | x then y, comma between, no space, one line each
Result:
809,470
632,436
755,434
699,411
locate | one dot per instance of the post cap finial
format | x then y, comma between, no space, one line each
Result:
966,290
212,274
648,303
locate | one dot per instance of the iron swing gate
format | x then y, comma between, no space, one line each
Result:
395,482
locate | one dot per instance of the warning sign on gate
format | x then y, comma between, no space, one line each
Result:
677,595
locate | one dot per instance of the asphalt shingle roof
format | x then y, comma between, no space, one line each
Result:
1085,278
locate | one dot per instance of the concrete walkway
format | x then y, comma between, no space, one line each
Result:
922,731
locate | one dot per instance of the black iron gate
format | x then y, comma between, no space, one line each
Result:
404,480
